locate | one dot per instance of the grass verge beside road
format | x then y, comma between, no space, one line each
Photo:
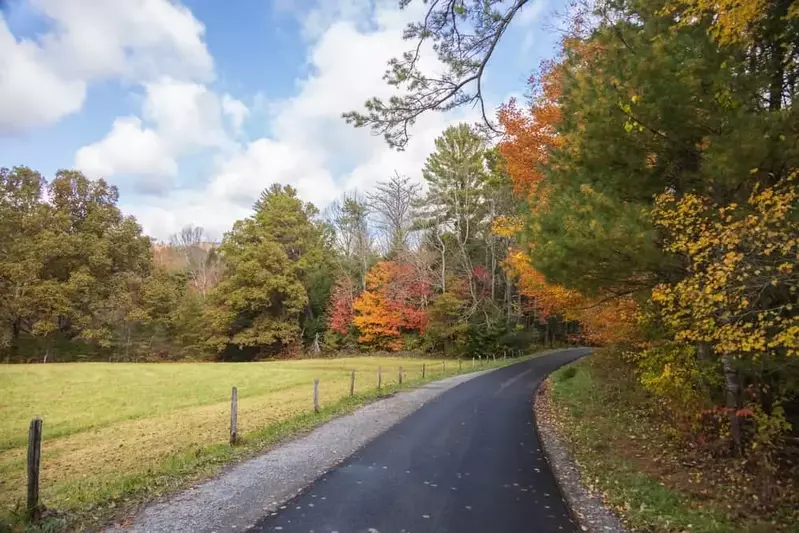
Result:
624,456
117,435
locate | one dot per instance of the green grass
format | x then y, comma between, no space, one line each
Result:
118,434
609,438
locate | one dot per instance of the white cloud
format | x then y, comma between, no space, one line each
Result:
235,110
139,41
311,147
129,148
31,93
184,117
187,114
263,162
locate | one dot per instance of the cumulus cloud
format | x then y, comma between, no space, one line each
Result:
45,79
129,148
235,110
183,117
310,146
32,93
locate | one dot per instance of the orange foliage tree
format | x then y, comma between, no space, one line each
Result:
602,320
531,133
391,304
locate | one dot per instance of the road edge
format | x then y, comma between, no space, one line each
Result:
236,498
588,510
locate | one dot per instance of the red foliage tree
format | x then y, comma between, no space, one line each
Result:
342,297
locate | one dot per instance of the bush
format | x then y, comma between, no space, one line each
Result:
567,373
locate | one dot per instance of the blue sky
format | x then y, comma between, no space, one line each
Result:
193,108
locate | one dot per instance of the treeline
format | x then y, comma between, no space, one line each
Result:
393,269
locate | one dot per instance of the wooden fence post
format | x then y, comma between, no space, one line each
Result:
316,395
460,365
352,383
423,369
34,461
472,361
234,414
400,376
379,377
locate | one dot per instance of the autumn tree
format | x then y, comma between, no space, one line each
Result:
71,263
340,310
740,293
446,328
530,134
391,304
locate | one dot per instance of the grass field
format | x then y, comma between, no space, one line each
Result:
116,432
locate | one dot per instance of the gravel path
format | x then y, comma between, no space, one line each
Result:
236,499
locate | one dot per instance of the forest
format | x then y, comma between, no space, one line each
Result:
393,269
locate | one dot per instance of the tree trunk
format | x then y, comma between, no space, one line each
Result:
508,298
733,399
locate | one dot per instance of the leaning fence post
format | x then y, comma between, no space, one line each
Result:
379,377
423,369
352,383
400,376
316,395
234,413
34,460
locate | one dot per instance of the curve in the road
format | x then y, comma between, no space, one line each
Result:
467,462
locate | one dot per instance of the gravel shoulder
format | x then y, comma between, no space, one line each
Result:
588,508
236,499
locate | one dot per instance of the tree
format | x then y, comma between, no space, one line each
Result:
446,326
340,310
392,201
456,175
271,258
529,135
741,288
349,218
23,250
390,305
464,35
198,257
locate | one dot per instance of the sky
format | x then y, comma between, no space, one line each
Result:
191,108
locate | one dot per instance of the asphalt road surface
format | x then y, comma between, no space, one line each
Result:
467,462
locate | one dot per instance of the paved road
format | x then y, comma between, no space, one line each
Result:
467,462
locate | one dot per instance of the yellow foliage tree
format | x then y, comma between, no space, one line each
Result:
739,294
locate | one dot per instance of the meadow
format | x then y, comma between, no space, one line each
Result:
115,432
